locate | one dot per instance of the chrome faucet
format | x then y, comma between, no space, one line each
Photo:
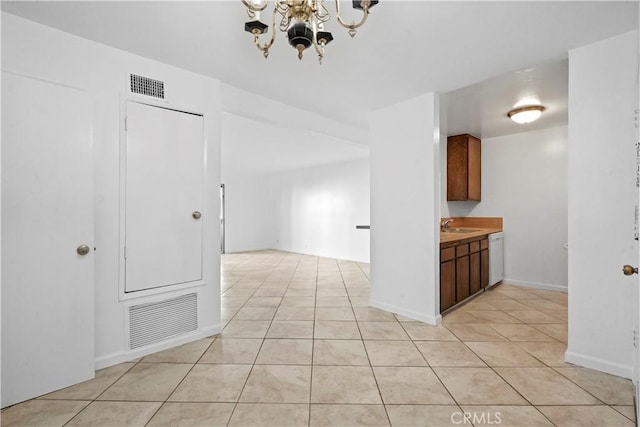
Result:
444,226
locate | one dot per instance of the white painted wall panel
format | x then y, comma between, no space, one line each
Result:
317,210
249,211
405,208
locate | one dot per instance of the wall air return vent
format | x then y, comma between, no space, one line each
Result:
146,86
154,322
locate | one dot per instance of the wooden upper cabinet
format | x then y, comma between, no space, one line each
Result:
463,168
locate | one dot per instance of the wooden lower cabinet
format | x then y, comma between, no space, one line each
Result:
484,268
475,284
464,270
447,284
462,278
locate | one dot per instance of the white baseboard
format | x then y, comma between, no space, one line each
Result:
598,364
536,285
431,320
125,356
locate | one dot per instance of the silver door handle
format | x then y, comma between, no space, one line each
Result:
196,215
83,250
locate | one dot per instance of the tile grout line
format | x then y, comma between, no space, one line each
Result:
545,365
500,376
237,402
313,340
166,400
373,374
95,399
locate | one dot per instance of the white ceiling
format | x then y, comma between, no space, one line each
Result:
406,48
481,109
483,55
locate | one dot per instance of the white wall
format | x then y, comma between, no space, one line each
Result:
602,196
317,209
249,211
405,208
524,181
42,52
282,165
312,210
249,205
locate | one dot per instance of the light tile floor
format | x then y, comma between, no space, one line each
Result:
301,347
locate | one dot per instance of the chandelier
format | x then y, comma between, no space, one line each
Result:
302,20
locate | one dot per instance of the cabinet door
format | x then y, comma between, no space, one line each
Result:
463,168
447,284
462,278
484,268
457,168
474,273
473,169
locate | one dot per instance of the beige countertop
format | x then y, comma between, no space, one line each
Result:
481,226
478,232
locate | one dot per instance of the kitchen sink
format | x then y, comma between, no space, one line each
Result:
461,230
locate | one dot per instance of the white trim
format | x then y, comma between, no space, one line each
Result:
598,364
125,356
431,320
536,285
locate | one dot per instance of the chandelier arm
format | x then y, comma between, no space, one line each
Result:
256,37
284,23
282,7
322,18
322,14
319,49
283,10
353,26
255,7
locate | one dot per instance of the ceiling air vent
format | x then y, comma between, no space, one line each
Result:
154,322
147,86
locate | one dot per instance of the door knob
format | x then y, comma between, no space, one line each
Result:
83,250
196,215
629,270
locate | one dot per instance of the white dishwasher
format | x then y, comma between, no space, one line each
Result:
496,258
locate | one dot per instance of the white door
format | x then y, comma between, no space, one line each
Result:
636,338
636,330
47,213
164,197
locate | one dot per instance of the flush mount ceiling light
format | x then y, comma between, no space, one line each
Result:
302,20
527,114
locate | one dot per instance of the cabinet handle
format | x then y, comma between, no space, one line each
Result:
629,270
